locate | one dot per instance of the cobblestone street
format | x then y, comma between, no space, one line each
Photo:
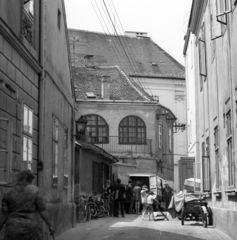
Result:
133,227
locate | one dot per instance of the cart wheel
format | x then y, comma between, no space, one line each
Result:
183,216
210,216
204,220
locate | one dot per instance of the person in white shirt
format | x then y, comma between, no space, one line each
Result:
144,195
150,209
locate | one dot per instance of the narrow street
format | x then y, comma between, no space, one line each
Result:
133,227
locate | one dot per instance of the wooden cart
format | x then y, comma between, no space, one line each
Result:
198,210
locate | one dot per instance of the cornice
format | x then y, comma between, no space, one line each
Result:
19,47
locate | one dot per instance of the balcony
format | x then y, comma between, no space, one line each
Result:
124,147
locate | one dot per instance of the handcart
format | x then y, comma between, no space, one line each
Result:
197,209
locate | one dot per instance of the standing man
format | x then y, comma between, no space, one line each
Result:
129,196
110,190
119,197
137,197
168,193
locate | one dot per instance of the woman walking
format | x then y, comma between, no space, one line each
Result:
22,207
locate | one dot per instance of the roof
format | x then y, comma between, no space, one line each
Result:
97,150
88,81
138,56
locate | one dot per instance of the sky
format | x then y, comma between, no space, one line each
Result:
165,21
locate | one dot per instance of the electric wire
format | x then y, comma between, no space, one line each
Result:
145,85
120,41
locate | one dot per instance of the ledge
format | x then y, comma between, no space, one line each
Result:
206,194
217,194
231,192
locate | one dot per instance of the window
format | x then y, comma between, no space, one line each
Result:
202,57
217,161
27,137
170,140
223,7
229,148
160,136
55,150
65,155
59,19
97,129
132,130
28,21
206,174
5,150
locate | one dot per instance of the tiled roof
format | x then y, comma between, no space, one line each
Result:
146,58
121,87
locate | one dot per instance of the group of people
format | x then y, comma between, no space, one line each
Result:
137,197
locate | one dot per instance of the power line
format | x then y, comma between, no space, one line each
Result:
142,83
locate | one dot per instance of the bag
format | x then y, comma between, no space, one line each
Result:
171,205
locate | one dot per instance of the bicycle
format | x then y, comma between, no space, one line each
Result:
82,211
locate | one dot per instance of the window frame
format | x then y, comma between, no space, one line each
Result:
223,7
202,57
97,126
206,174
65,159
8,150
132,140
55,151
160,132
28,135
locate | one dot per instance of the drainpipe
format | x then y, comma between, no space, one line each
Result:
41,93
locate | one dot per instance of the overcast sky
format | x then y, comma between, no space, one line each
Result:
165,21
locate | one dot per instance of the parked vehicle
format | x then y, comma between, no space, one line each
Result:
95,206
82,210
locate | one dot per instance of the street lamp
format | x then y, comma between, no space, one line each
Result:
159,165
81,126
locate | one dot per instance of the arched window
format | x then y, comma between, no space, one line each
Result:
97,128
132,130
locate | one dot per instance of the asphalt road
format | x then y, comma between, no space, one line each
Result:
133,227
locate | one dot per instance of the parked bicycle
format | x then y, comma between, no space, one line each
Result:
105,199
95,205
82,210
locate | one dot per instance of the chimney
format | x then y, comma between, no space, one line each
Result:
105,87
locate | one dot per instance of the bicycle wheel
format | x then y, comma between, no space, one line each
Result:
101,212
93,211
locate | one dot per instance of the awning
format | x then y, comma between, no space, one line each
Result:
97,150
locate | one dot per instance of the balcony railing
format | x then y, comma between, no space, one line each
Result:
125,146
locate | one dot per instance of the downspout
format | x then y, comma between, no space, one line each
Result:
41,92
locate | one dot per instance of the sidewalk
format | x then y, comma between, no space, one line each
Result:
133,227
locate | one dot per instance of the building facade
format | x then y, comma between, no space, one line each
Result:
37,103
147,64
124,120
210,48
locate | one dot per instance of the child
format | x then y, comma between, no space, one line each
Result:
150,209
144,196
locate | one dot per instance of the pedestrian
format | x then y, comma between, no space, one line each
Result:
22,207
144,195
150,209
129,196
119,198
168,193
109,189
137,197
